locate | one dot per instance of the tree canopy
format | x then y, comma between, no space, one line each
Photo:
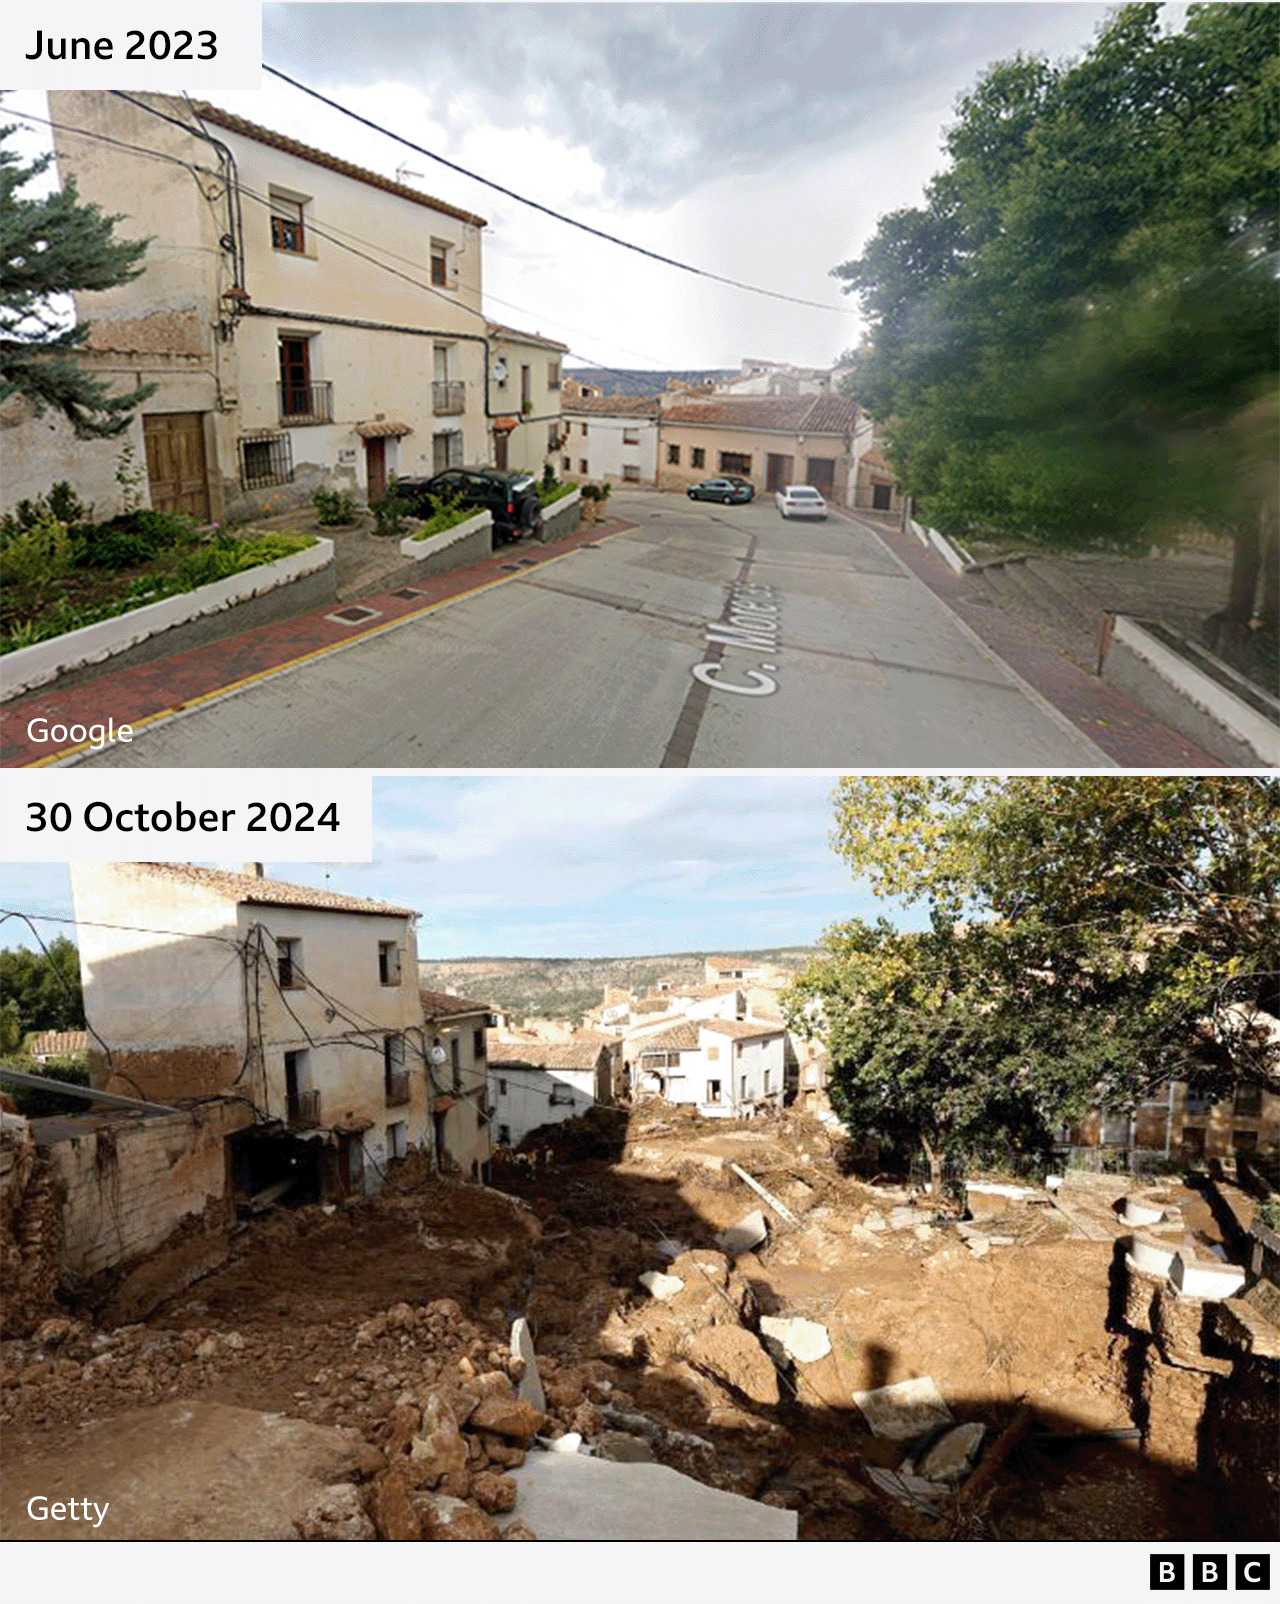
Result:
1090,938
51,246
1073,339
39,991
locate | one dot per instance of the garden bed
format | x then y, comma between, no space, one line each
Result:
300,577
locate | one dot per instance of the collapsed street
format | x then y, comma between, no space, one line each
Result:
354,1361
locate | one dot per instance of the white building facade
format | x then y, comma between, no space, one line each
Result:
725,1068
201,983
542,1083
308,323
611,439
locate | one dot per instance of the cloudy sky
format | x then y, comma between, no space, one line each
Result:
577,865
757,141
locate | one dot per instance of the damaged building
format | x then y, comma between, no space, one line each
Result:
300,1004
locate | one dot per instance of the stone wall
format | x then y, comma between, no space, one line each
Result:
129,1186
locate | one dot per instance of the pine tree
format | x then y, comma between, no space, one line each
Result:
51,247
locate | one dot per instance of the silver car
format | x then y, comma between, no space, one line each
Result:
800,501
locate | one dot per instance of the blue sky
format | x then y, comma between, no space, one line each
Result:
578,864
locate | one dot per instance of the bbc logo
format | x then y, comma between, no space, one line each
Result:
1209,1572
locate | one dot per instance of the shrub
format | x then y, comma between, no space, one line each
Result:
446,516
556,492
165,528
390,513
335,507
112,548
226,556
33,560
61,503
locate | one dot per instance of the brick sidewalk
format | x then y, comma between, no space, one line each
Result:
1125,731
154,690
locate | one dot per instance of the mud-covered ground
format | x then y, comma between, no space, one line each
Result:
375,1315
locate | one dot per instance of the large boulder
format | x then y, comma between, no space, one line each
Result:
734,1356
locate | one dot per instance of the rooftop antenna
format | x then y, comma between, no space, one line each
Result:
403,172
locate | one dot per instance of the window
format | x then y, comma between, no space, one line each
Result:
735,462
631,437
697,457
553,437
526,387
561,1096
713,1053
397,1139
502,1088
265,459
455,1062
566,465
743,1093
440,263
583,427
446,451
287,229
713,1091
1247,1102
504,1136
395,1077
631,472
295,378
673,456
553,374
388,963
582,465
477,1044
1244,1141
1198,1102
289,963
881,498
767,1075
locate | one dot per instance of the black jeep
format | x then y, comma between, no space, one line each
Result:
511,498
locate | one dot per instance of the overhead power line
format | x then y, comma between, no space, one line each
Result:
548,211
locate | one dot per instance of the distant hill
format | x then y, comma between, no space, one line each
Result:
566,987
644,381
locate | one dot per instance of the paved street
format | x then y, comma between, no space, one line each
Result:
705,636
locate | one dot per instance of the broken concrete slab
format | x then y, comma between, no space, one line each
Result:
804,1341
572,1498
995,1197
950,1458
905,1410
979,1246
661,1286
914,1491
529,1387
907,1218
873,1220
750,1231
187,1470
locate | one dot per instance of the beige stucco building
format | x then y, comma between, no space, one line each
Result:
770,440
201,983
307,322
525,391
458,1072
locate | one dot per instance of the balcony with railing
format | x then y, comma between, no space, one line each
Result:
306,403
448,398
397,1088
303,1110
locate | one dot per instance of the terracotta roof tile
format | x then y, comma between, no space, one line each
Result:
625,406
780,414
444,1005
270,893
680,1038
740,1029
294,147
545,1055
501,331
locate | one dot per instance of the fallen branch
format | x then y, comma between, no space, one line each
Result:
780,1209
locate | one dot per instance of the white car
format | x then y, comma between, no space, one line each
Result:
800,501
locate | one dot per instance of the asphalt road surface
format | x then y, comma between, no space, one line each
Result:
706,637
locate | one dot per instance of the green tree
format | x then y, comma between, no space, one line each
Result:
49,247
1073,339
1090,938
44,989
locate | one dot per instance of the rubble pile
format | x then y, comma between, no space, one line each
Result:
30,1230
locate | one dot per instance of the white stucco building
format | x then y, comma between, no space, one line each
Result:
202,982
726,1068
542,1083
307,322
612,439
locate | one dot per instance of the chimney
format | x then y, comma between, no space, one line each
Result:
253,870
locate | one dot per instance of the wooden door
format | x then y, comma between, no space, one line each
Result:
295,378
176,463
375,463
500,450
779,473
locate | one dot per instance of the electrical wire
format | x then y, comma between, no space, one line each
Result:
547,211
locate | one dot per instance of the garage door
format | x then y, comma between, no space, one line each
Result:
176,463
